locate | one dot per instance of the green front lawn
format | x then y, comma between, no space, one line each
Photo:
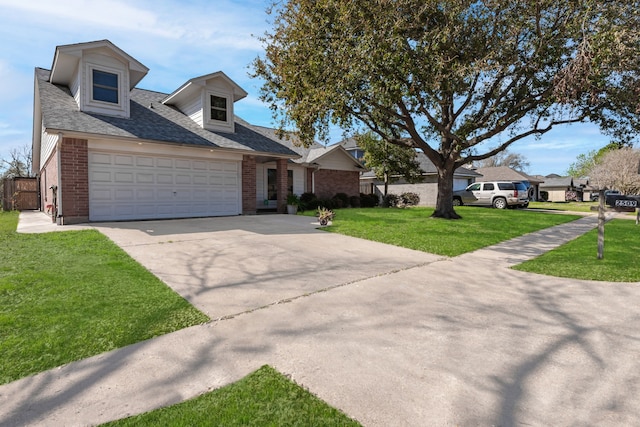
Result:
264,398
413,228
74,294
564,206
578,259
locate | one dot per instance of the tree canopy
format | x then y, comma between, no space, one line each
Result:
452,78
515,161
585,162
617,169
388,161
17,164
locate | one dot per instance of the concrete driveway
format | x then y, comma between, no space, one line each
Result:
397,339
225,266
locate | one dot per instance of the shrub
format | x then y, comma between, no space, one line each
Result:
354,201
308,201
390,201
544,196
338,203
344,198
325,203
409,199
369,200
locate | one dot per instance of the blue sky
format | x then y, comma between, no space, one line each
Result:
178,40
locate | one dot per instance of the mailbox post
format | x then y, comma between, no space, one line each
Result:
601,220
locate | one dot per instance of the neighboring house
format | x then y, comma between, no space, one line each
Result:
427,189
505,173
105,150
351,146
564,189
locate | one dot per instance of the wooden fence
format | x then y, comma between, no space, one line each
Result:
20,194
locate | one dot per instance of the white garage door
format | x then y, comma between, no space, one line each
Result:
127,186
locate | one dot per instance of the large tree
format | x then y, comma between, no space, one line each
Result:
451,77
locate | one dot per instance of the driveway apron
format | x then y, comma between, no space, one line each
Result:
226,266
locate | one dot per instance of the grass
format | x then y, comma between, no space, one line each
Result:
578,258
564,206
414,229
70,295
263,398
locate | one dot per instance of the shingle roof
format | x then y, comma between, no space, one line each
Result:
149,120
563,181
505,173
428,168
307,154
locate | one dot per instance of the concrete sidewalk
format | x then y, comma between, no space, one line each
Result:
438,343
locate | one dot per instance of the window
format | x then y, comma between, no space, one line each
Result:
488,187
218,108
105,86
506,186
272,186
474,187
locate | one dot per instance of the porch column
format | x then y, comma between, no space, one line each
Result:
249,193
281,182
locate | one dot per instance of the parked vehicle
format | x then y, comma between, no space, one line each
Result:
499,194
595,196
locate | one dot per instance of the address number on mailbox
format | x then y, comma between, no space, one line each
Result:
627,203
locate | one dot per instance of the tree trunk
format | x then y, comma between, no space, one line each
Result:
444,202
386,183
601,219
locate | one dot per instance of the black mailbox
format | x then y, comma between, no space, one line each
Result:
623,202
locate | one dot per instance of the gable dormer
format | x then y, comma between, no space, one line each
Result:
99,74
208,101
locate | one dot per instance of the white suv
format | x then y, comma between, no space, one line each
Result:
499,194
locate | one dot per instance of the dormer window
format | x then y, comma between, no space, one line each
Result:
105,86
218,108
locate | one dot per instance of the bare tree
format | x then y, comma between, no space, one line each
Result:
618,170
515,161
18,164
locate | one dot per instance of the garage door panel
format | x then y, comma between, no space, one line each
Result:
164,163
123,160
100,176
144,162
124,177
164,188
165,179
144,178
183,179
126,195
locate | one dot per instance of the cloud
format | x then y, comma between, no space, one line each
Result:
205,24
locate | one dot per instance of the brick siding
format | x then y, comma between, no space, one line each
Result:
74,165
281,182
330,182
248,185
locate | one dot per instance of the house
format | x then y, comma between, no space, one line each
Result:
505,173
105,150
329,169
427,189
563,189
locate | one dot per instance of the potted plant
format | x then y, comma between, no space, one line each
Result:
293,201
325,215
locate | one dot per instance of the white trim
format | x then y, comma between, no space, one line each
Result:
122,94
211,124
